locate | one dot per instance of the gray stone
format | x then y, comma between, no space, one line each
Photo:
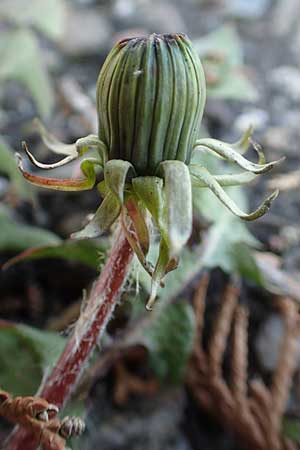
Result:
155,16
286,79
124,9
87,31
268,342
277,139
285,16
295,42
258,118
291,119
248,9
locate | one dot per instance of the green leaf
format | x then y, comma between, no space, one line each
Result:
224,40
8,166
221,54
17,236
234,85
170,341
245,263
220,241
22,61
85,252
225,232
46,15
291,428
25,353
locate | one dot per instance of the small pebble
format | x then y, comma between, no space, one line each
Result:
286,79
268,342
87,31
247,9
258,118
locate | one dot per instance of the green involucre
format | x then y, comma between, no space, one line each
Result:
150,100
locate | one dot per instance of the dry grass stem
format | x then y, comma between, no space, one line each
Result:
217,344
239,360
249,408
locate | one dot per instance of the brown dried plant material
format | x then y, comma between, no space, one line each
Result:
221,330
128,384
249,408
40,417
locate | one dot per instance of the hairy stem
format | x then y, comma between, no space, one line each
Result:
57,387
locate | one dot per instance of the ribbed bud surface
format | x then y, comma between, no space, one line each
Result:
150,100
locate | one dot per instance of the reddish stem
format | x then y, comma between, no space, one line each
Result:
58,386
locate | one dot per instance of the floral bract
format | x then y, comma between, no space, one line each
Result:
150,98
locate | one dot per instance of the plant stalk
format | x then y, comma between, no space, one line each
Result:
58,386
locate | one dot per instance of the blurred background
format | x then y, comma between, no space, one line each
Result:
51,52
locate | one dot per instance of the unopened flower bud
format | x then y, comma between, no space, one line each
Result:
150,99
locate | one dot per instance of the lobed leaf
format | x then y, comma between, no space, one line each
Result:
226,233
18,236
25,354
85,252
222,57
170,341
